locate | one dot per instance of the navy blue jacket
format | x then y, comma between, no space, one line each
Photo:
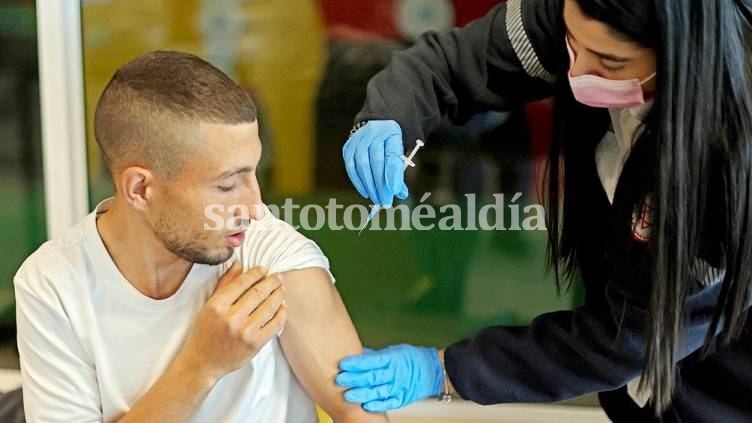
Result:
513,55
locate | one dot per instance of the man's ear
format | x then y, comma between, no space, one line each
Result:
137,186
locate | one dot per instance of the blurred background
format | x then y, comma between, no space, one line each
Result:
306,64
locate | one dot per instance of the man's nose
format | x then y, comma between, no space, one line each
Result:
252,197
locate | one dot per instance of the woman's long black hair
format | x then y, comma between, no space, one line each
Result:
702,116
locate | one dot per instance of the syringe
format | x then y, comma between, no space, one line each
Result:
408,161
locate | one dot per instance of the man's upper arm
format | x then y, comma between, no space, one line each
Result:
59,382
317,336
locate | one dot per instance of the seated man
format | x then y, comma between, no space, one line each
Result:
148,310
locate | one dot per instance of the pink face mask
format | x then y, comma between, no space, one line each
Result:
596,91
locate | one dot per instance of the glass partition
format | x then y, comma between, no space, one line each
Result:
22,215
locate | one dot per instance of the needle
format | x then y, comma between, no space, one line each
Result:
408,163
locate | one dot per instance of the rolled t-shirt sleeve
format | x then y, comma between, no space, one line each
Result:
277,246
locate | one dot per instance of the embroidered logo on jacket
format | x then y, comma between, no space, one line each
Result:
642,220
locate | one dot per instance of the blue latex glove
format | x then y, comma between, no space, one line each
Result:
373,159
391,378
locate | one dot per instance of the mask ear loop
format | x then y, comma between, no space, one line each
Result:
648,78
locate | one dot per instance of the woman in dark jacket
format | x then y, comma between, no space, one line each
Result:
649,198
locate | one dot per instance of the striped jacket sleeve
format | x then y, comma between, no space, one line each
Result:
510,56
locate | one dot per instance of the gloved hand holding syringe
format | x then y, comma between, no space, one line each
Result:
408,163
375,162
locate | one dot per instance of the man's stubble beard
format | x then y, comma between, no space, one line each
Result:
187,247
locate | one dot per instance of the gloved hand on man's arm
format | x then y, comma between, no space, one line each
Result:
391,378
373,159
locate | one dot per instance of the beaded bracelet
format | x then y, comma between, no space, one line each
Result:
357,126
445,396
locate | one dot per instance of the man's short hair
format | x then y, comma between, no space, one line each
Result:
154,104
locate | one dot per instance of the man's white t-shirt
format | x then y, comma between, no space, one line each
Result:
92,345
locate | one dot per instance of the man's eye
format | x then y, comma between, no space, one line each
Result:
227,188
